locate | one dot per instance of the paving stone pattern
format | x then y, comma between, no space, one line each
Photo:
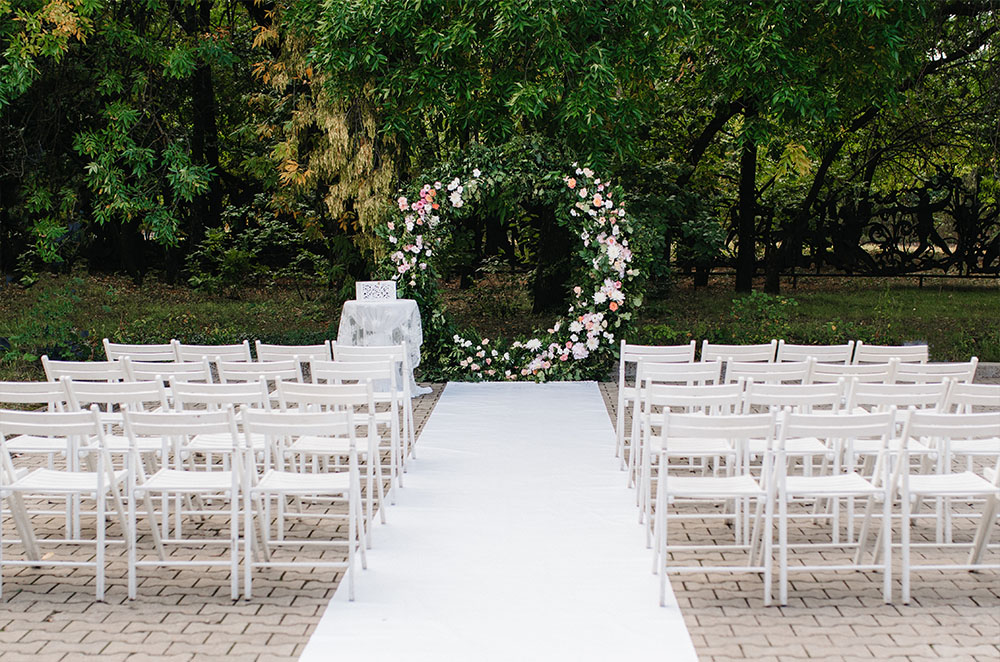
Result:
186,614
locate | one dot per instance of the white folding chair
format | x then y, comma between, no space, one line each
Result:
194,489
822,353
739,487
84,371
151,353
876,373
628,396
714,400
188,353
928,373
400,356
841,431
103,483
760,353
111,399
797,372
940,431
683,374
382,375
278,484
358,398
218,397
883,353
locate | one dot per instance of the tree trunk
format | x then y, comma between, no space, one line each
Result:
746,258
205,135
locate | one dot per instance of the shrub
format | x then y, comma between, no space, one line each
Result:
759,317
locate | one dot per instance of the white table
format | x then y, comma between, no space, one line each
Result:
384,322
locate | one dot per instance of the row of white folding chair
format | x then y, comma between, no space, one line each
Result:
891,484
393,388
748,396
177,351
779,351
104,482
804,372
235,358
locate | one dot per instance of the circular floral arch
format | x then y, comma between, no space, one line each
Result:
579,344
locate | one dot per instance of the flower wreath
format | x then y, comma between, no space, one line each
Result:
577,346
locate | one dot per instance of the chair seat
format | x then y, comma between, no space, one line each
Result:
288,482
322,446
797,446
178,480
989,446
27,443
116,443
52,481
221,442
687,447
961,484
722,487
874,446
836,485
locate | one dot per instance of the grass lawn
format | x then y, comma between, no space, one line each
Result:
71,315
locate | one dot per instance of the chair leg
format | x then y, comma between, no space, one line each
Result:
905,544
768,535
886,548
782,550
984,530
101,533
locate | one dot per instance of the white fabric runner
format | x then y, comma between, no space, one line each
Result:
515,538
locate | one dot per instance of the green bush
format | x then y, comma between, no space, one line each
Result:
46,328
758,317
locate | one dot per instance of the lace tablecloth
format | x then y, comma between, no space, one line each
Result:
384,322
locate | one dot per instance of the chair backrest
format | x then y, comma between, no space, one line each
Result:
214,397
383,375
799,372
882,353
691,374
320,397
111,395
240,371
939,430
840,431
81,424
400,355
305,353
161,352
926,373
881,373
630,355
238,352
736,429
85,371
966,398
374,290
716,399
804,398
283,425
822,353
761,353
145,371
182,426
880,397
51,394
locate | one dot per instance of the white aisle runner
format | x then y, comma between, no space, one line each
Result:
513,539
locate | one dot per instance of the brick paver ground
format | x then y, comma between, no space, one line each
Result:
186,614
